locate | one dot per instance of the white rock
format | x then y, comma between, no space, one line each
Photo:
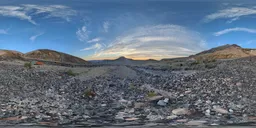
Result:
208,112
131,119
103,105
181,111
166,100
171,117
220,110
196,122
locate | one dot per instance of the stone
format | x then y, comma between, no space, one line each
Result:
155,98
220,110
131,119
139,105
166,100
196,122
161,103
181,111
171,117
208,112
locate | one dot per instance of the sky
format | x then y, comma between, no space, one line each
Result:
137,29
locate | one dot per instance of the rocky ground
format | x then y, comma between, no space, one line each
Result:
128,96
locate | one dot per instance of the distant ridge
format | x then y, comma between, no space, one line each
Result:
41,54
228,51
51,55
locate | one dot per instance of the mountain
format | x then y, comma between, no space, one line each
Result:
225,52
11,55
124,61
51,55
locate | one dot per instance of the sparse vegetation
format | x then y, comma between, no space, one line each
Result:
28,65
88,93
131,86
151,94
71,73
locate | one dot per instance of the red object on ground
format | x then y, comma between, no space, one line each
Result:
39,63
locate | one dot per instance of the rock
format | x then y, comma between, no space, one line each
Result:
161,103
220,110
86,117
166,100
208,112
131,119
171,117
139,105
155,98
196,122
154,117
103,105
181,111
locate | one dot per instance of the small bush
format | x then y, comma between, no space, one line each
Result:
89,93
151,94
132,87
28,65
71,73
195,63
210,65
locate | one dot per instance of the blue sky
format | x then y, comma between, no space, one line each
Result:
138,29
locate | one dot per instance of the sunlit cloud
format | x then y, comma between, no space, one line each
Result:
33,38
96,46
27,12
232,14
222,32
94,40
155,42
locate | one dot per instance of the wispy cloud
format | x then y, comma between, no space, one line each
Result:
94,40
232,14
82,34
161,41
225,31
106,25
3,31
251,41
33,38
26,12
96,46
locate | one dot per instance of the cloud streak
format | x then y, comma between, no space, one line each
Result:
156,42
232,14
96,46
225,31
106,25
33,38
94,40
82,34
28,11
3,31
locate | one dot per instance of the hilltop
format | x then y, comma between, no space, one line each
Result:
41,54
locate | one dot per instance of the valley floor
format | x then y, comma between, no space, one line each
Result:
127,95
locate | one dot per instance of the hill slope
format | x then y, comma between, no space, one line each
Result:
51,55
225,52
10,55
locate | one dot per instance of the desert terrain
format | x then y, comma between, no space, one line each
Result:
213,88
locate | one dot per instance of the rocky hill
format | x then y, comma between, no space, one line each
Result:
51,55
10,55
225,52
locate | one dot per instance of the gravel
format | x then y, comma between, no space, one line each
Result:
223,95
